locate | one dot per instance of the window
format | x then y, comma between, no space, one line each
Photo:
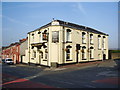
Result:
44,35
99,42
83,52
68,52
55,36
91,38
83,37
99,56
33,37
91,52
41,54
40,37
68,35
34,54
103,42
46,53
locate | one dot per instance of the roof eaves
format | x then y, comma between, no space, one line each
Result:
76,26
44,26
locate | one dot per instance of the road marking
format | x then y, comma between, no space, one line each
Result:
106,73
62,81
112,80
18,80
65,82
90,86
12,66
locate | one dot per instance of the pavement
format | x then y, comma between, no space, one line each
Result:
99,74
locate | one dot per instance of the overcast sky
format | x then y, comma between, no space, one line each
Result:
20,18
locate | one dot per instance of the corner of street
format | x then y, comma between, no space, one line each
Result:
99,74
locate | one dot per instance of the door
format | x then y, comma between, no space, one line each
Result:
39,59
77,56
104,56
77,52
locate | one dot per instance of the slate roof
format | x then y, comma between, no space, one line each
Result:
74,26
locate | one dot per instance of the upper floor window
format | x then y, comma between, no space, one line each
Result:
40,36
33,37
103,42
68,35
83,37
55,36
99,42
91,38
45,35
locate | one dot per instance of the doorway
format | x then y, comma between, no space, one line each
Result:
39,59
77,52
104,56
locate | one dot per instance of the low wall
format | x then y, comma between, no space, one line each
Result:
115,55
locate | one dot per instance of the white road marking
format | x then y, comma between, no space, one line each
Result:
106,73
90,86
65,82
12,66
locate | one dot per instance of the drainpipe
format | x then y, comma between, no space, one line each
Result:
48,48
88,45
29,48
63,44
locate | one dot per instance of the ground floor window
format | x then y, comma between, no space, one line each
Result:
91,52
99,56
83,52
46,54
34,54
83,55
68,52
41,54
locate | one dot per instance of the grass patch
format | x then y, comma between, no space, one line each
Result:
115,51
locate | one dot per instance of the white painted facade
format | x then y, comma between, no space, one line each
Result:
60,46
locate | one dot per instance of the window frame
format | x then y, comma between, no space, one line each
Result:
68,54
83,38
103,42
91,38
44,36
83,53
68,35
91,53
55,38
99,42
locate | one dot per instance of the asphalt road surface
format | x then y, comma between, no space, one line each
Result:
101,75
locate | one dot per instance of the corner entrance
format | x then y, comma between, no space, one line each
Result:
104,56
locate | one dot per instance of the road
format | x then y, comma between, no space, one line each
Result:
102,75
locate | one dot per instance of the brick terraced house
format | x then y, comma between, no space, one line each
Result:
14,51
60,42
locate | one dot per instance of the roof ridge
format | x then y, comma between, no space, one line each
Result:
72,25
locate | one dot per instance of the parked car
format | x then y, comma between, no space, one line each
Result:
9,61
3,60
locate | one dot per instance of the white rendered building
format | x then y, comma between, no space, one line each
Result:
60,42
